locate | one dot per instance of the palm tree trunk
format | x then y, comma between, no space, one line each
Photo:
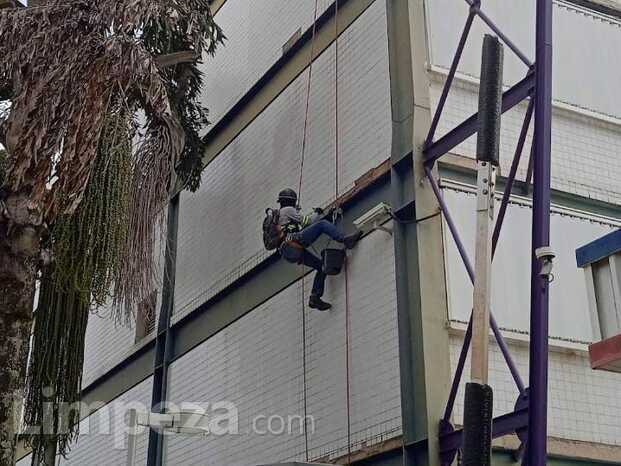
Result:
20,229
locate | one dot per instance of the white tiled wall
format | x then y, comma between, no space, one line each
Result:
25,461
256,33
569,309
257,363
586,44
220,225
108,342
584,150
103,435
582,404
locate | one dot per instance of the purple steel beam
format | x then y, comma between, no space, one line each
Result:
510,98
450,77
539,296
497,227
462,252
512,172
502,425
487,20
459,370
529,171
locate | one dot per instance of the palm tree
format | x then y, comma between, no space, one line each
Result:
100,116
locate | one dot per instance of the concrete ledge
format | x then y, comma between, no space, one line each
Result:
569,449
367,452
522,339
606,354
607,7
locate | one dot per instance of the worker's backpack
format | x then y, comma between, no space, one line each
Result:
272,232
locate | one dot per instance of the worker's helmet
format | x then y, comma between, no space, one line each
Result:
287,196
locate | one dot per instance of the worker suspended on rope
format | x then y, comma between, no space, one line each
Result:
296,232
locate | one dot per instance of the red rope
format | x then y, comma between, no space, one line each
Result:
347,368
304,369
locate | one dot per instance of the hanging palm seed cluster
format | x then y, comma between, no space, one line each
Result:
88,244
87,248
77,73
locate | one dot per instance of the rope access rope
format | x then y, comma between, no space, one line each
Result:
304,135
336,195
336,183
308,91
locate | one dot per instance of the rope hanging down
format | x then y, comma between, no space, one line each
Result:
336,187
336,195
308,91
304,137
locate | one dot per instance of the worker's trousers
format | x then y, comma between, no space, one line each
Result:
302,256
305,238
311,233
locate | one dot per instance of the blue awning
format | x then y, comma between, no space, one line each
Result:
598,249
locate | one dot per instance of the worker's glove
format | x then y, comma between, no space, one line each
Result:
318,210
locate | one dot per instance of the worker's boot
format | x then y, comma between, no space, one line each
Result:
350,241
315,302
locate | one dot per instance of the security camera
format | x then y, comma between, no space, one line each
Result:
374,218
546,255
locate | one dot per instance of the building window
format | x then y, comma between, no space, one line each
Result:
607,294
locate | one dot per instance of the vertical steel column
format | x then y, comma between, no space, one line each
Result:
404,235
537,426
420,281
163,341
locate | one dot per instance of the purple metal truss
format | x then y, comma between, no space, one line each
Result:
538,86
510,98
502,425
464,255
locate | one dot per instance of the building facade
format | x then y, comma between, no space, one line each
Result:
366,382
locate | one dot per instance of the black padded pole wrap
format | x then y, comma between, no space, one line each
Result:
490,101
478,412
